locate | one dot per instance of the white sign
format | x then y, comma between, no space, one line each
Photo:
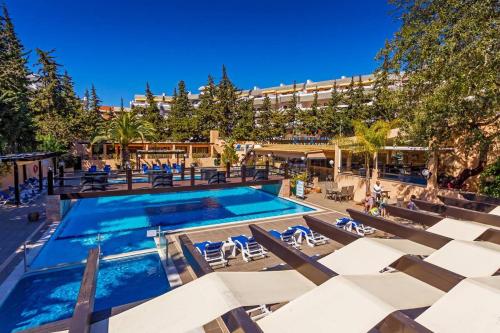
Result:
299,189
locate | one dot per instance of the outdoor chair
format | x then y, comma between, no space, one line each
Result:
312,237
162,180
350,192
331,190
287,236
212,252
218,178
248,247
343,194
261,175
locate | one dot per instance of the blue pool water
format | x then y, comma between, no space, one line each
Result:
173,210
121,221
46,297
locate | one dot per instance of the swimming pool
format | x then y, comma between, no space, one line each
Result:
121,222
49,296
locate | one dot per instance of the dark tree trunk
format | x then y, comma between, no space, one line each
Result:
459,181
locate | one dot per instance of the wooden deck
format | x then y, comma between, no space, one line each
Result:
222,233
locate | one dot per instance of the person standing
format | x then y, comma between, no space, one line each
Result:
377,190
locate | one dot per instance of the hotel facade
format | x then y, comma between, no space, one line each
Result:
282,93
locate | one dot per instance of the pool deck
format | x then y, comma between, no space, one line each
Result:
331,210
15,229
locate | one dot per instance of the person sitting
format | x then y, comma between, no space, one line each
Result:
369,202
411,204
377,190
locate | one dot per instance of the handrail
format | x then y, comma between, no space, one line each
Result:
82,315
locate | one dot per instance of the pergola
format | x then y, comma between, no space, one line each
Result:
175,152
23,159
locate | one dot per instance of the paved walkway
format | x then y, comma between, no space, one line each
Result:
15,229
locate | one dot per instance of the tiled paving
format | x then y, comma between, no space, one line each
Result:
15,229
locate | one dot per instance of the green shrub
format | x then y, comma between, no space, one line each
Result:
490,180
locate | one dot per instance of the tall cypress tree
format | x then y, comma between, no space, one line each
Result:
179,121
227,102
292,111
244,128
15,114
205,115
264,120
152,114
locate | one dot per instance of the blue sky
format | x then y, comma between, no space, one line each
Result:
119,45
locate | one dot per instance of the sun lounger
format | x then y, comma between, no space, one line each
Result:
212,252
258,312
312,238
107,168
92,168
248,247
349,224
287,236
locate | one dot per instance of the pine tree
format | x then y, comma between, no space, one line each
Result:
16,122
244,128
279,119
265,129
95,101
360,110
205,115
179,121
152,115
86,100
309,118
385,101
227,104
292,111
332,118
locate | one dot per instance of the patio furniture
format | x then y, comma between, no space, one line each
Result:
343,194
331,190
248,247
312,238
212,253
350,192
287,236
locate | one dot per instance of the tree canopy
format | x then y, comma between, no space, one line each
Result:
448,52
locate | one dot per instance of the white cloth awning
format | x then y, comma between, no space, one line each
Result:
459,229
469,259
371,255
471,306
191,306
495,211
350,304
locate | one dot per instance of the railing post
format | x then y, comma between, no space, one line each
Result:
243,173
17,194
40,176
286,171
129,179
228,170
50,182
183,168
191,175
61,175
267,167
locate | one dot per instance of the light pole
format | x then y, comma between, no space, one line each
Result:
332,163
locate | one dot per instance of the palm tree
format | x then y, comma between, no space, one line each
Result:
124,129
369,140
